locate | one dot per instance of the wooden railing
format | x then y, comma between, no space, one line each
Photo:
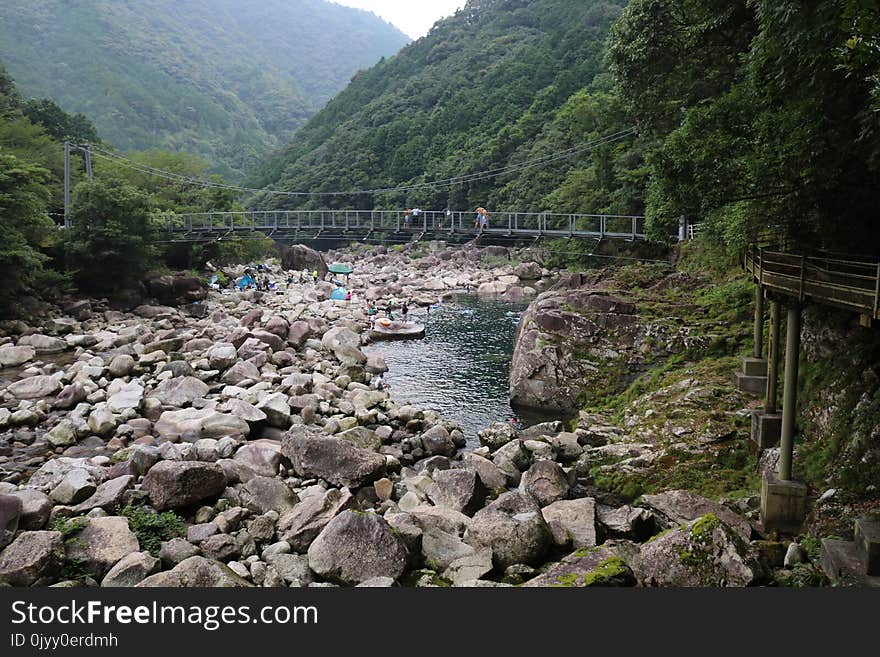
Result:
849,284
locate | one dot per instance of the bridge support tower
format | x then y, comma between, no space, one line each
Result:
783,499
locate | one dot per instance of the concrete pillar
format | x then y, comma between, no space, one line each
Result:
773,358
759,322
789,393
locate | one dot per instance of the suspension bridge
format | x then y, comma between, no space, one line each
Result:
364,224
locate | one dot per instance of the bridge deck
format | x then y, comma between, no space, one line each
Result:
849,284
290,223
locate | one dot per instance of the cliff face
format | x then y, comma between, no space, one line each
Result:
583,341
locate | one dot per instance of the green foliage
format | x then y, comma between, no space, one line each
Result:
761,115
24,227
226,79
110,243
502,82
69,528
152,528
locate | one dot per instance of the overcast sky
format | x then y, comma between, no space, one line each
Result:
413,17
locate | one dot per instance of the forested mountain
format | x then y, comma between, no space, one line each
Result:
227,79
499,83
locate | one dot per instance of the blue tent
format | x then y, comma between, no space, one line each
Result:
245,280
339,294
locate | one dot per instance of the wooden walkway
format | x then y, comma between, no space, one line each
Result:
849,284
311,224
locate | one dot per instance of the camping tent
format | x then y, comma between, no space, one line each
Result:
339,294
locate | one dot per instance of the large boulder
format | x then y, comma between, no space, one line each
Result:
299,257
35,508
340,336
191,424
242,370
179,484
131,570
35,387
174,289
11,356
180,392
680,506
263,457
491,475
196,572
301,525
572,522
10,514
513,527
461,490
102,543
703,552
437,442
222,355
355,547
262,494
587,567
30,556
497,435
334,460
546,482
127,397
43,344
570,342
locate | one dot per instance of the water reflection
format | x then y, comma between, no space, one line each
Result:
460,368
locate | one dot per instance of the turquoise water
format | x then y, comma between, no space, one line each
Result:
460,368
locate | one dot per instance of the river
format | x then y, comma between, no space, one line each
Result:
460,368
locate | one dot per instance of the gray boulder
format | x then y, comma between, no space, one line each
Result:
437,441
587,567
180,392
121,365
276,409
131,570
301,525
546,482
334,460
513,527
102,543
196,572
497,435
31,556
75,486
461,490
263,457
355,547
191,424
262,494
107,496
222,356
512,459
572,522
703,552
179,484
10,515
35,509
34,387
681,506
11,356
491,475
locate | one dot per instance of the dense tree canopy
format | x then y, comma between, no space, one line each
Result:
764,115
225,79
499,83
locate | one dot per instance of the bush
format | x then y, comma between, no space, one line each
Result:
152,528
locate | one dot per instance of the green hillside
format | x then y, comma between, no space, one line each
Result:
226,79
499,83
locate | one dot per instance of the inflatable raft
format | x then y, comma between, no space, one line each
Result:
386,329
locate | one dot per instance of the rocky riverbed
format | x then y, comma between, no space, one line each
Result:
240,441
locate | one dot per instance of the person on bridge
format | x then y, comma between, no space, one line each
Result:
415,213
484,219
407,217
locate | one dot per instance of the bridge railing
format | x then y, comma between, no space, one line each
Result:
429,221
845,283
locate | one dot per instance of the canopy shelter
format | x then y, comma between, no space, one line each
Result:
339,268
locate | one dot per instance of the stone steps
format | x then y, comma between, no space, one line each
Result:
752,377
856,562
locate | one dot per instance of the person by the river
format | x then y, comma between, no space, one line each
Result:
404,311
315,276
